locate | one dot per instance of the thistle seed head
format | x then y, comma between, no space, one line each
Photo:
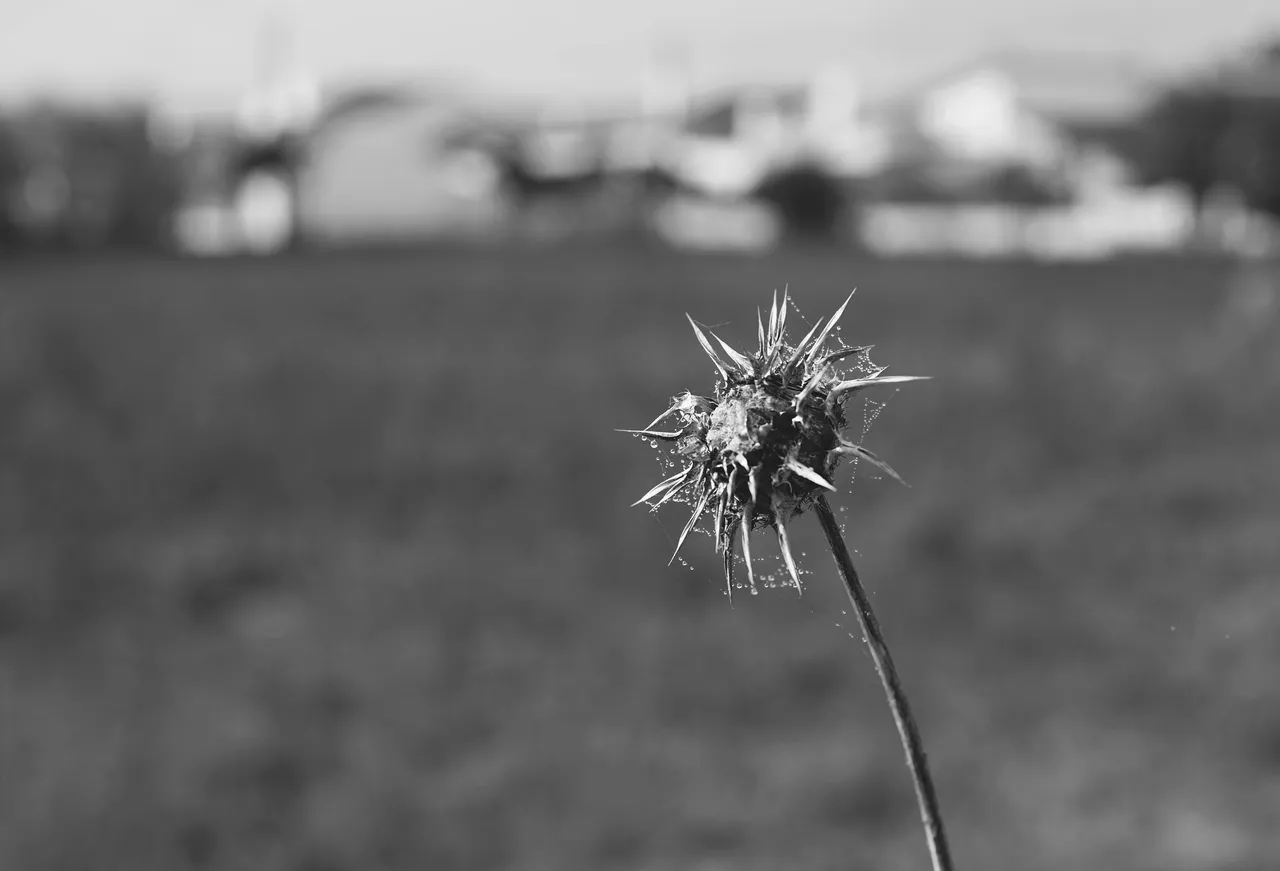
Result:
758,451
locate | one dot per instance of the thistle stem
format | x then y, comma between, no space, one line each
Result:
926,796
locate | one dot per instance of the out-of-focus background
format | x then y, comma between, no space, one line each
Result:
316,323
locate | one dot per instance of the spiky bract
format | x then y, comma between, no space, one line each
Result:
757,453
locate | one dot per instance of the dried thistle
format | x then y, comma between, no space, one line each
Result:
767,444
761,451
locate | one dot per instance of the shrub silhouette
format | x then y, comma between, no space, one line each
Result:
811,201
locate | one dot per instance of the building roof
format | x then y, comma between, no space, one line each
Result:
713,114
1081,87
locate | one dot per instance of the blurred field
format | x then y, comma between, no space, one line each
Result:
326,564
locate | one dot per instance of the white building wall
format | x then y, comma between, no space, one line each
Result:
385,178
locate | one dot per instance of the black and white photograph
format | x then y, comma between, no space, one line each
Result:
682,435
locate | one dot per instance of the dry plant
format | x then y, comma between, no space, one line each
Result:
764,449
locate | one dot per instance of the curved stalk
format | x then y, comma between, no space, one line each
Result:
926,795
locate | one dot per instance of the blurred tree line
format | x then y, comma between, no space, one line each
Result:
1212,133
1219,130
76,178
73,178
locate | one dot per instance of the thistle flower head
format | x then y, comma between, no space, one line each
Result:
758,451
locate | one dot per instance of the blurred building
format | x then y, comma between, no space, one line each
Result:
1035,108
1023,153
731,142
240,161
274,122
1013,154
730,150
397,165
207,150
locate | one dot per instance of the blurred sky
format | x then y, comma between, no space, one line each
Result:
187,50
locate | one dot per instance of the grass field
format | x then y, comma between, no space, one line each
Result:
326,564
